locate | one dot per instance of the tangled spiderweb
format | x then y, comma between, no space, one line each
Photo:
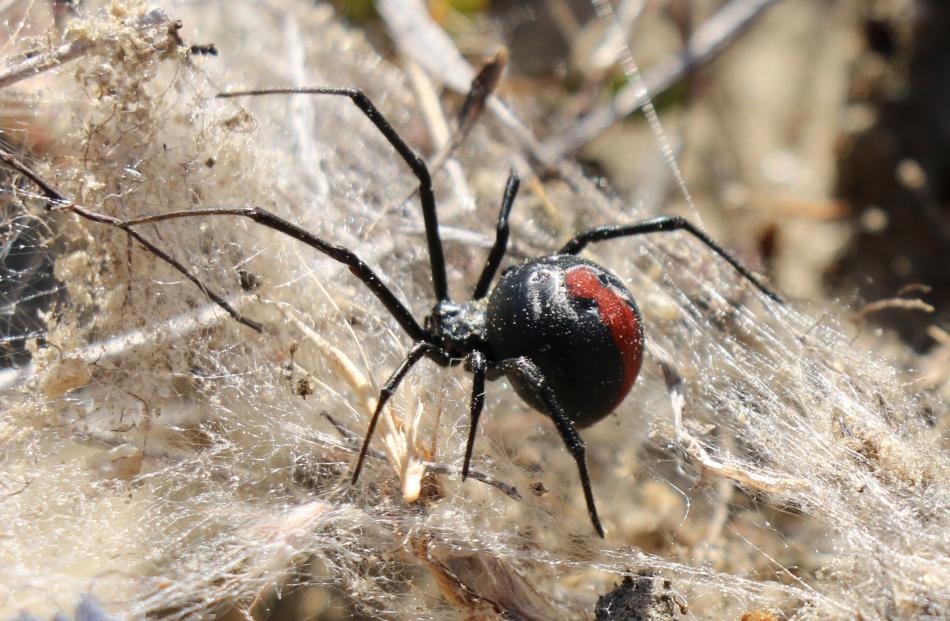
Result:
165,460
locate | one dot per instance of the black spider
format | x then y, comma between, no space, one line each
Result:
564,330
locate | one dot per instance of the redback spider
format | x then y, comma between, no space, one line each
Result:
564,330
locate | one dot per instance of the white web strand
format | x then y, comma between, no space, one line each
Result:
606,13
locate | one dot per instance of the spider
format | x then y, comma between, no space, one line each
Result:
565,331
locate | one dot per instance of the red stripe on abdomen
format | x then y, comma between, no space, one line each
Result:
617,316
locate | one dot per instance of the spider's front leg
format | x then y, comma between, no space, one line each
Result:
357,266
56,200
478,366
529,373
415,354
410,157
501,238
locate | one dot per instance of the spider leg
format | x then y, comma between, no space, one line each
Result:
412,159
344,255
57,199
479,365
415,354
663,224
532,375
501,238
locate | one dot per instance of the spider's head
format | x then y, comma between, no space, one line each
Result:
459,329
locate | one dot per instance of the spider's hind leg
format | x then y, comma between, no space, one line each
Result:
532,375
389,388
664,224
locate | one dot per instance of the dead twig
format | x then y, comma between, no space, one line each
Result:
890,303
75,49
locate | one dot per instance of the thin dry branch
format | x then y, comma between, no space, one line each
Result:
44,61
893,303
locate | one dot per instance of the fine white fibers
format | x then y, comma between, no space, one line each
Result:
762,463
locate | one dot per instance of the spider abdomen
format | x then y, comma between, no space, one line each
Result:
578,323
